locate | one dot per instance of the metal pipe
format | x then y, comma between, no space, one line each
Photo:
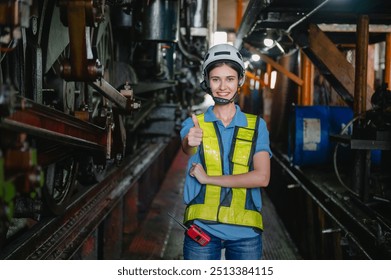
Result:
360,81
362,157
180,43
307,16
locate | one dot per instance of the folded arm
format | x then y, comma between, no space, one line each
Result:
259,177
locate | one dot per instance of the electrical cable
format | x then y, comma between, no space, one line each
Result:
350,123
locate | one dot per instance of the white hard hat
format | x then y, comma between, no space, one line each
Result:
223,52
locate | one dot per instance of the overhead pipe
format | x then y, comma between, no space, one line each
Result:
254,8
307,16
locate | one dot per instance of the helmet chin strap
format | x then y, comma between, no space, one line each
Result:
218,100
223,101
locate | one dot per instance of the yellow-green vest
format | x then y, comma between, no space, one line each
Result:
237,207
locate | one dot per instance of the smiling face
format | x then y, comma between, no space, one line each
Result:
223,81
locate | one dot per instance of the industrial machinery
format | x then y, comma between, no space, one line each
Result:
83,83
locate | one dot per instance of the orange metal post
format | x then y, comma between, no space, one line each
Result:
269,74
306,97
239,13
387,73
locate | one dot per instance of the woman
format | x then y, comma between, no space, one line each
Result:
230,162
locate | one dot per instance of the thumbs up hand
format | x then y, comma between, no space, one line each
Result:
195,121
195,133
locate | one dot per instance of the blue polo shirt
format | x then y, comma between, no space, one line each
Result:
192,186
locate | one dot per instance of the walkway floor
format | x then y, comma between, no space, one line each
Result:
159,237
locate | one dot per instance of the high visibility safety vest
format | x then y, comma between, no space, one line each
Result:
236,207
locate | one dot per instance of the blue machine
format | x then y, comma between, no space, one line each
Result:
310,128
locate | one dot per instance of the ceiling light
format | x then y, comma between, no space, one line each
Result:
268,42
255,57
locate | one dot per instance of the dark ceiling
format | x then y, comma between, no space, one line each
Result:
337,18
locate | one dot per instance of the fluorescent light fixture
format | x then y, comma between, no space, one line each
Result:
273,79
256,85
266,78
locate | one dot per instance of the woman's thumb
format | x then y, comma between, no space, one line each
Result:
195,121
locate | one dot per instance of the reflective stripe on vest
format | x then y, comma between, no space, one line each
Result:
211,208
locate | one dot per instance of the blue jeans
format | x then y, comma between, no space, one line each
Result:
242,249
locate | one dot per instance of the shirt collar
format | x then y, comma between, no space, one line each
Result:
238,120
